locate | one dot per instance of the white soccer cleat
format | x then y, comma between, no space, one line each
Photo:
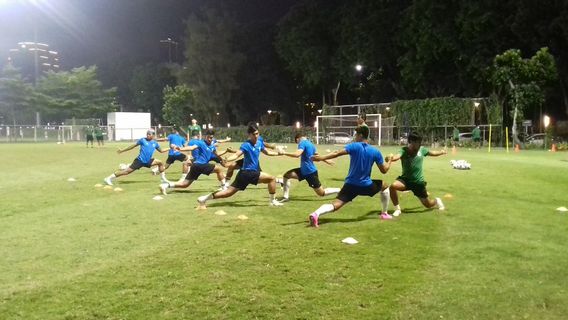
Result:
202,202
275,203
284,200
396,213
108,181
440,204
164,188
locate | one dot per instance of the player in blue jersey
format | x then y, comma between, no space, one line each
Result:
147,147
176,141
201,157
249,172
358,181
216,155
236,165
307,170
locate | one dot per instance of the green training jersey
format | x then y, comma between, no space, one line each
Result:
456,134
412,166
476,133
98,132
194,130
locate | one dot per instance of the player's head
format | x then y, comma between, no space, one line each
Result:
298,136
209,135
361,133
193,121
150,134
361,118
414,140
252,131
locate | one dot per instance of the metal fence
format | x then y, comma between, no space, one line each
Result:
67,133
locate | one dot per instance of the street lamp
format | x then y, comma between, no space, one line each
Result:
358,67
476,104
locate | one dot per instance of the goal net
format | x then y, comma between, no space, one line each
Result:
340,129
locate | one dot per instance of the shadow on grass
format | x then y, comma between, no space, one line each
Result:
237,204
416,210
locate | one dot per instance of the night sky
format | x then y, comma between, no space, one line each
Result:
87,32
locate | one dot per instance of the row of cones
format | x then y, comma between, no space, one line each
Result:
552,148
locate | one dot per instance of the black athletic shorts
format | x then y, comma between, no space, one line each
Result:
180,157
244,178
349,192
418,188
312,179
198,169
137,164
99,138
90,138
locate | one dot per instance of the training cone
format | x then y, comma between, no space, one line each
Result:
553,149
517,148
454,150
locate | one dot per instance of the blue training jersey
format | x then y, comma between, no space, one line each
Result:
212,148
306,164
176,140
362,158
202,154
147,148
251,153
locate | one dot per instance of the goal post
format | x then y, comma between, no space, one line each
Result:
339,129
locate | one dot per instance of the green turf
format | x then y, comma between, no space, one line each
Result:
73,251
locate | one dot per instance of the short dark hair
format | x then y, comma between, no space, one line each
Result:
414,137
298,136
363,116
252,127
363,130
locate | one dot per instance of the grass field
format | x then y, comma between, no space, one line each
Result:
73,251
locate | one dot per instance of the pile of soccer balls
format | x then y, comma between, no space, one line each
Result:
460,164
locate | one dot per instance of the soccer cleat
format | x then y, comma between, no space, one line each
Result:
275,203
163,179
164,188
108,181
314,220
385,216
396,213
440,204
285,200
201,202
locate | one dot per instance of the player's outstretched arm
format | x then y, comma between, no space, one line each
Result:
329,156
271,153
393,158
296,154
188,148
437,153
127,148
227,139
235,156
385,166
269,145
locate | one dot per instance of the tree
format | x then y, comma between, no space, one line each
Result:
76,93
212,63
16,103
147,85
520,84
179,103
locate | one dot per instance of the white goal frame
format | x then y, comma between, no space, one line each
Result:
374,125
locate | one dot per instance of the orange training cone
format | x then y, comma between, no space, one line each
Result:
553,147
517,148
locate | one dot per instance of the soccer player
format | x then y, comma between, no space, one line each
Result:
249,172
216,155
99,136
358,181
476,137
236,165
201,156
307,170
361,119
144,159
89,135
412,177
193,131
176,142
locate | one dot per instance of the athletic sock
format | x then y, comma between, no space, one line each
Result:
397,207
112,176
205,197
271,196
223,182
325,208
385,197
328,191
286,188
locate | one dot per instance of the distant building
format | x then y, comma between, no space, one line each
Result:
169,51
33,59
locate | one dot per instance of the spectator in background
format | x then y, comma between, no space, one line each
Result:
89,135
99,136
455,136
193,131
476,137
